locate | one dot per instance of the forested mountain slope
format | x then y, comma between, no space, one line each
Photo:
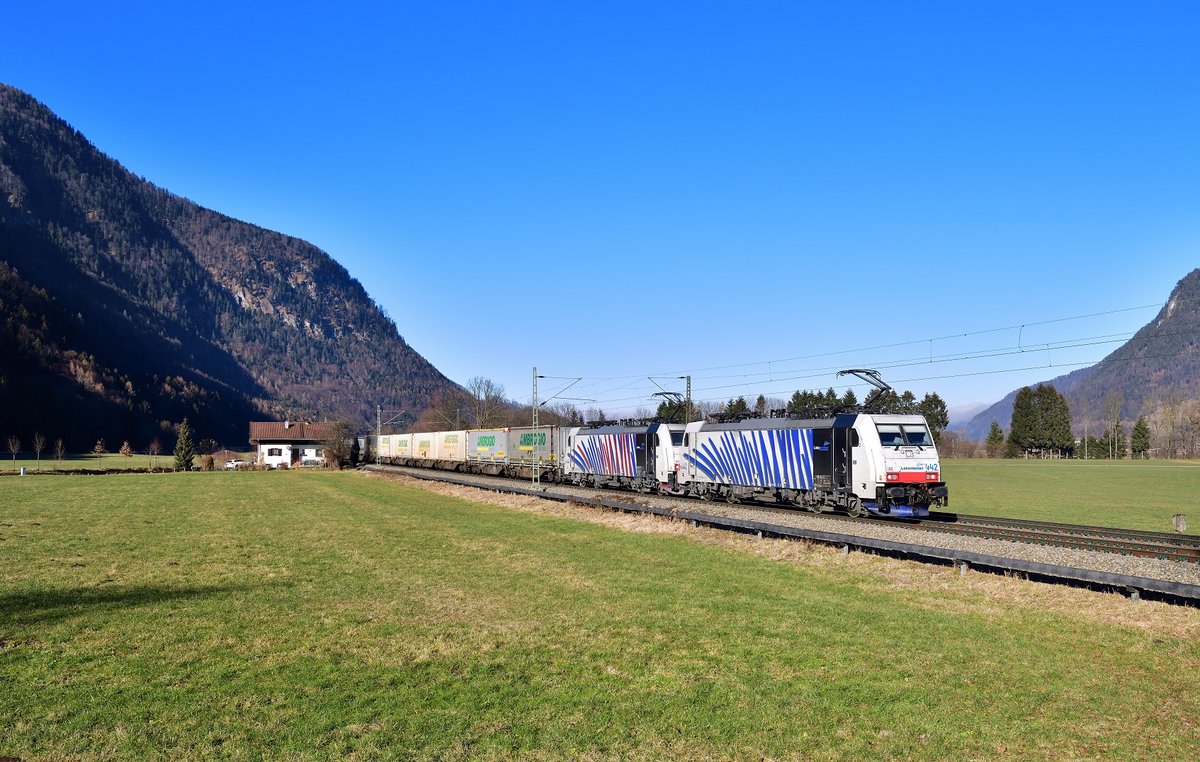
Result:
124,308
1159,365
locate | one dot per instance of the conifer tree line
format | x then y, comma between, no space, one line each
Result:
1041,427
1041,423
809,404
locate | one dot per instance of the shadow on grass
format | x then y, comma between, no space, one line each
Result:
41,606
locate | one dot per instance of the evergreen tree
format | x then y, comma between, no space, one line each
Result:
995,441
908,403
185,452
1054,420
1140,439
804,404
738,405
849,399
669,411
760,405
933,407
885,402
795,405
1022,429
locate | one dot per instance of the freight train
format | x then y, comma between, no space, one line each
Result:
860,463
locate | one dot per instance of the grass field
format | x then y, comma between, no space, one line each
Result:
318,615
1138,494
1133,494
111,461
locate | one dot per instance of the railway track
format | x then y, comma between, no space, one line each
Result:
1128,542
1103,539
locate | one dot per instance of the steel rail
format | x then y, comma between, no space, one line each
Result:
1165,538
1069,537
1132,542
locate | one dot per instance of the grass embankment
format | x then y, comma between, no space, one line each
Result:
330,615
1137,494
111,461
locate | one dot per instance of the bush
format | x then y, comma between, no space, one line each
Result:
206,463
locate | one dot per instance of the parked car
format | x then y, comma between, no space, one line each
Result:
236,463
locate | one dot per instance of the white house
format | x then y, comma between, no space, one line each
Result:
289,444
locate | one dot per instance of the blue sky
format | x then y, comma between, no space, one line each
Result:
742,192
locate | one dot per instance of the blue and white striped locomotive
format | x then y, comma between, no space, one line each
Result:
862,463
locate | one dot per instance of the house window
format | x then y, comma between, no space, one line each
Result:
274,452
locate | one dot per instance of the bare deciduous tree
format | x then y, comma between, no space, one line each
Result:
14,445
487,402
339,444
448,412
595,415
39,444
1112,408
59,451
154,449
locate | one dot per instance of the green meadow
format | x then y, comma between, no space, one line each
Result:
109,461
320,615
1136,494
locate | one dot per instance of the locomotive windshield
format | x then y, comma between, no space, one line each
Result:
890,436
909,435
917,436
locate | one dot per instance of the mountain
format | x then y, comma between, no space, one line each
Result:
1159,364
124,308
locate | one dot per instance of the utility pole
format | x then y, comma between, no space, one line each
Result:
537,465
379,422
537,441
688,419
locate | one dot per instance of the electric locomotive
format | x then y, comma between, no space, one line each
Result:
862,463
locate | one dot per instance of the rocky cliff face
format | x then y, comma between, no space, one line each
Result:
125,307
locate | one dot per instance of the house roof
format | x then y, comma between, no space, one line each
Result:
283,431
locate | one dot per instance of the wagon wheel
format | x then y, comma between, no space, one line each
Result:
854,508
731,498
706,496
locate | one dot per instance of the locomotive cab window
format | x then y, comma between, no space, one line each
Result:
677,438
890,435
917,436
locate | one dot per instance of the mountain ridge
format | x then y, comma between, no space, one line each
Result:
1160,361
132,306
